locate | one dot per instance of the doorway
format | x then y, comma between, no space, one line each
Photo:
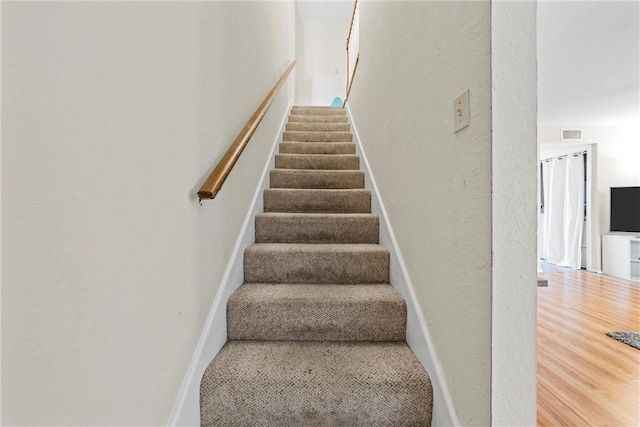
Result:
568,225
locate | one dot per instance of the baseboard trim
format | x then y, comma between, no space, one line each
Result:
418,336
186,410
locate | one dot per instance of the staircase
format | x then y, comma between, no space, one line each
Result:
316,335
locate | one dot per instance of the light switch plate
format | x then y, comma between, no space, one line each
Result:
461,112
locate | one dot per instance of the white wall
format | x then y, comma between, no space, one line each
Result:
436,185
618,161
321,73
515,210
114,113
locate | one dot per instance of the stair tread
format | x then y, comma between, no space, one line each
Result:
323,285
318,161
327,148
294,135
299,355
340,200
318,247
324,292
319,111
318,216
327,143
316,312
332,263
320,171
320,133
318,156
316,383
317,178
316,142
318,127
319,190
310,118
320,107
309,113
285,227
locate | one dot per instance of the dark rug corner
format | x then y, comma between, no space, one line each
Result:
629,338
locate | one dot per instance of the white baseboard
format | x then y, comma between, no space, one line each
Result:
418,336
186,410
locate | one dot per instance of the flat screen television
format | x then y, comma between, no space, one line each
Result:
625,209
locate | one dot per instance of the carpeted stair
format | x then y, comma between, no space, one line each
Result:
316,335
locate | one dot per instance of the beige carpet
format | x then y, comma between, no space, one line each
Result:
316,334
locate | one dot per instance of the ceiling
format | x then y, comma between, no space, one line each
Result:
588,62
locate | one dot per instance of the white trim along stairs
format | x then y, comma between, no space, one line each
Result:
316,335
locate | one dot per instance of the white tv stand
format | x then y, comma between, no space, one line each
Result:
621,255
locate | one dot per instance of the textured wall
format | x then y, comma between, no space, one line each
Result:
113,115
513,382
415,59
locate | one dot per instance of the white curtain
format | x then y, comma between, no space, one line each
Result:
562,215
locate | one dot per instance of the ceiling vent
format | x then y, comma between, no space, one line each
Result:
572,134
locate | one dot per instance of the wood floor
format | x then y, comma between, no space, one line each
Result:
585,377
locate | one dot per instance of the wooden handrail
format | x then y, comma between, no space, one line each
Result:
355,67
353,16
212,185
346,89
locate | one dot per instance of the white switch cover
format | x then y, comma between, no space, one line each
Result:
461,111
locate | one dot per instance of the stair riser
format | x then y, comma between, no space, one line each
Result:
314,313
318,111
317,119
318,127
338,201
283,178
318,136
317,148
316,267
323,162
314,228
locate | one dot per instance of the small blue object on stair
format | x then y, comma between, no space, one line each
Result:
337,102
